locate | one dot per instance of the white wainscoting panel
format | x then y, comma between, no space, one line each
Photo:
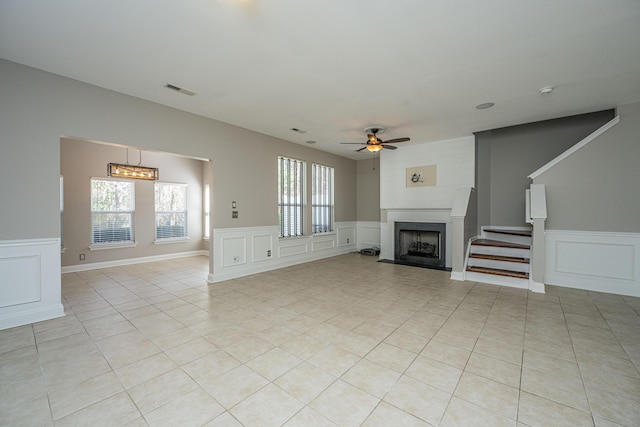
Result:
24,270
262,247
596,261
347,234
234,250
293,247
368,234
29,281
324,242
250,246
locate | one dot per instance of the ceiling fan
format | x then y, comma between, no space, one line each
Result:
375,144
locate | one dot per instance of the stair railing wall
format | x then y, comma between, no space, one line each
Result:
537,215
463,223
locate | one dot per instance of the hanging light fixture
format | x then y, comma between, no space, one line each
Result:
374,148
120,170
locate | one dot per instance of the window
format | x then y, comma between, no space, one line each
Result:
207,218
290,197
112,210
61,212
171,211
321,199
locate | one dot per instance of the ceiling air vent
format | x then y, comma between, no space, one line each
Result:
180,89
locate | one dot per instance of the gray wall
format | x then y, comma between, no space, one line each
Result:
368,171
80,161
506,156
38,108
596,188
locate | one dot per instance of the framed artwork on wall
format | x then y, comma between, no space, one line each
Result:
422,176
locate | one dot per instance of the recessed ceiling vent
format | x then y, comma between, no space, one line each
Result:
180,89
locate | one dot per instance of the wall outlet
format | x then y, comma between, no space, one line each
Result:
347,240
236,258
269,252
234,214
81,257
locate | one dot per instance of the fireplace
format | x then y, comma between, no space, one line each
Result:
420,243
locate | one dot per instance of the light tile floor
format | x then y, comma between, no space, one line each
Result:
345,341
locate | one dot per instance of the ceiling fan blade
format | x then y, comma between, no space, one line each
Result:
359,143
397,140
360,149
388,147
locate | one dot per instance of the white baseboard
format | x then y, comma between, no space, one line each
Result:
458,275
131,261
537,287
228,274
595,261
27,316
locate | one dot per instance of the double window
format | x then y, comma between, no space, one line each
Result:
322,199
171,211
291,197
112,212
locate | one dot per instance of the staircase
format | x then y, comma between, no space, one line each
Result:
500,256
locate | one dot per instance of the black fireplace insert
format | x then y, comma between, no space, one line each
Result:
420,243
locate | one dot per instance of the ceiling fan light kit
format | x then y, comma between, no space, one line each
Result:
375,144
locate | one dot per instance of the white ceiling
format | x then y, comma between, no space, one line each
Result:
334,67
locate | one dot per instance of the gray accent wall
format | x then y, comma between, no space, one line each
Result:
38,108
368,171
506,156
596,188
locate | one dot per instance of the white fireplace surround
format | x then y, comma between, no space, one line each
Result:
454,162
387,229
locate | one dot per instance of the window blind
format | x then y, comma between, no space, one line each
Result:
207,218
290,197
321,199
170,210
112,211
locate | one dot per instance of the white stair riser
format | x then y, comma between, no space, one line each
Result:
501,265
521,240
493,279
497,250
